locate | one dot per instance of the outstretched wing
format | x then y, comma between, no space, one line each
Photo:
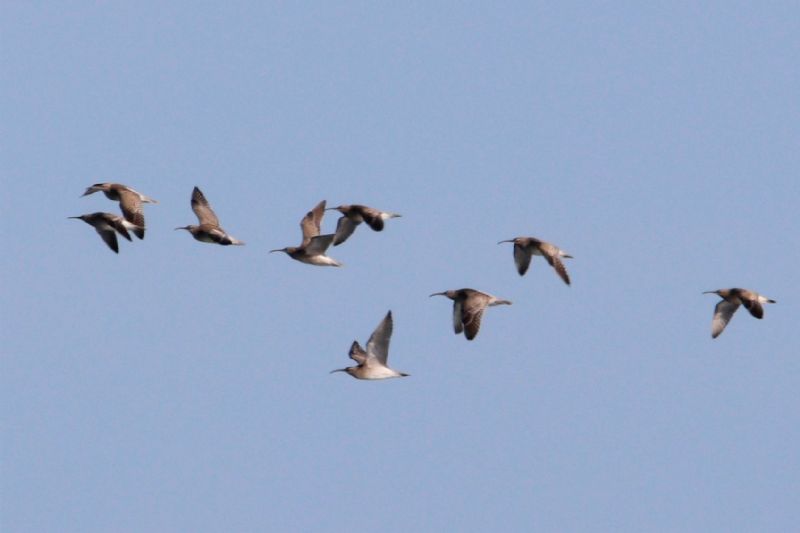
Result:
202,209
317,245
722,315
458,323
754,306
118,223
357,353
372,217
310,223
471,315
344,228
522,258
378,344
558,265
109,237
131,205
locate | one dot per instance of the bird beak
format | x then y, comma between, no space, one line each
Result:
509,240
709,292
278,250
436,294
73,217
182,227
338,370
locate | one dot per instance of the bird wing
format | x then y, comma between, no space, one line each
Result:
317,245
131,207
471,315
310,223
555,262
109,237
357,353
372,217
202,209
117,223
458,323
754,306
344,228
378,343
722,315
522,258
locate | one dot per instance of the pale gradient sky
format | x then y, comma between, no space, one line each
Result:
180,386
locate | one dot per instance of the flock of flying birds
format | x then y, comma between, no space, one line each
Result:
468,304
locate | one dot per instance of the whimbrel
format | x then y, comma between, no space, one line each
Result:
130,202
372,362
468,306
731,299
526,247
107,226
353,215
312,249
209,229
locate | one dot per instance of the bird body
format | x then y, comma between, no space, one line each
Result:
209,229
468,307
107,226
372,362
731,300
312,249
353,215
526,247
130,202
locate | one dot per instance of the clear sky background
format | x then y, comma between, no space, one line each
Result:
181,386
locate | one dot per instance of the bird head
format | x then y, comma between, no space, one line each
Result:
450,294
94,188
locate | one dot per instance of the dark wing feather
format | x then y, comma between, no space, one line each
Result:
558,265
202,209
357,353
754,306
522,258
117,223
472,321
372,217
458,320
109,237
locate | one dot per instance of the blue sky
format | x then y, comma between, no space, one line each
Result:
180,386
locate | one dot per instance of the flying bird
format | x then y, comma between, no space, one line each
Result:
107,226
731,299
353,215
209,229
527,247
468,307
130,201
312,248
372,362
